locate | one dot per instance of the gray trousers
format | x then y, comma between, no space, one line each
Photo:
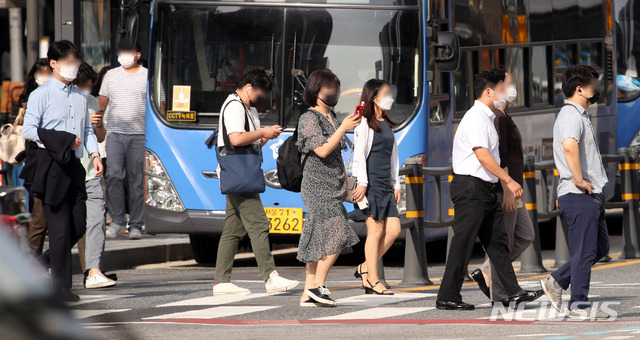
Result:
125,161
520,235
94,236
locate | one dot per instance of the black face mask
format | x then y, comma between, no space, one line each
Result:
596,96
330,99
257,102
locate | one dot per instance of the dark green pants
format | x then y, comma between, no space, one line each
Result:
244,215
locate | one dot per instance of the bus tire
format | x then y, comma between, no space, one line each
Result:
204,248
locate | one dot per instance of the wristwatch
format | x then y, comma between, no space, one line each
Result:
96,156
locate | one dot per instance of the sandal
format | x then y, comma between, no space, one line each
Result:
358,274
371,290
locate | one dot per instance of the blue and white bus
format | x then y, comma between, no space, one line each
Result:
199,49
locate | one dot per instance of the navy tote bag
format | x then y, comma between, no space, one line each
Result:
240,166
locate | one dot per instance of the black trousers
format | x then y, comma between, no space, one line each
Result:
67,223
477,214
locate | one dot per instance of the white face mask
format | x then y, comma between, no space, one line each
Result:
385,103
86,92
41,80
502,101
69,72
126,60
512,93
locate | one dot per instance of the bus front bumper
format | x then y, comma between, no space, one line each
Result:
159,221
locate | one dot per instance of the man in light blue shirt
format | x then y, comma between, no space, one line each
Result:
53,108
582,178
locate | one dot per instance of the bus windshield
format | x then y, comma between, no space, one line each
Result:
628,48
208,48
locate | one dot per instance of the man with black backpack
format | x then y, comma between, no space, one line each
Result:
240,126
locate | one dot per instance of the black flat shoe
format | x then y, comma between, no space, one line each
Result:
453,305
482,284
530,295
65,295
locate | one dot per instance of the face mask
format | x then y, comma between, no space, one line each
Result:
594,99
512,93
386,103
330,99
86,92
126,60
41,80
502,100
69,72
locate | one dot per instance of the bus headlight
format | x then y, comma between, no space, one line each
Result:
402,205
159,190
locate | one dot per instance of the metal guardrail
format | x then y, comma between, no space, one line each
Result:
536,176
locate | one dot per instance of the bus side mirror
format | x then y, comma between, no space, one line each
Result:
447,51
128,30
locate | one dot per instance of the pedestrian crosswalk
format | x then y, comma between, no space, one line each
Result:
263,306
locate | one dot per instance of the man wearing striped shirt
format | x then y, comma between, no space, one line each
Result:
124,91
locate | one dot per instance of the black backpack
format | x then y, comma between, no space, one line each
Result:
290,164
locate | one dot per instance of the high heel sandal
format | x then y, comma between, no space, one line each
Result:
372,291
358,274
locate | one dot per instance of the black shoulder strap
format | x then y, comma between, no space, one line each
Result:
225,136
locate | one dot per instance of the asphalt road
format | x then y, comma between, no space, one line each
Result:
174,300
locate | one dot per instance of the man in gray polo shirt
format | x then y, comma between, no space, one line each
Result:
582,178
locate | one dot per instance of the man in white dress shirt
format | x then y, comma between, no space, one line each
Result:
476,165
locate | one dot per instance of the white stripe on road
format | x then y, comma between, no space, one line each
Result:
214,300
377,313
86,313
213,313
84,299
377,300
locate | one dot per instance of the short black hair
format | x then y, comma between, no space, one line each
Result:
318,79
85,73
577,75
257,78
487,79
62,49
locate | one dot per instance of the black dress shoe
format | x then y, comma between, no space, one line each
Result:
65,295
453,305
482,284
530,295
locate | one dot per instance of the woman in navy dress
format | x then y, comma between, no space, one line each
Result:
376,166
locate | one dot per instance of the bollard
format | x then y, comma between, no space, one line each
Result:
381,277
629,186
531,258
562,253
415,252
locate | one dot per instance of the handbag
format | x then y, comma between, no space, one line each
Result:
11,142
352,182
240,166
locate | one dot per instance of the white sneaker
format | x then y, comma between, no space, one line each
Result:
115,230
98,281
553,291
229,289
135,234
277,283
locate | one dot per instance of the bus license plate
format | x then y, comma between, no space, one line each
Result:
284,220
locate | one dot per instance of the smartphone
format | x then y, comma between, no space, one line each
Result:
363,203
519,204
280,128
359,110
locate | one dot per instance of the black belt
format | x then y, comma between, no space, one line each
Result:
477,180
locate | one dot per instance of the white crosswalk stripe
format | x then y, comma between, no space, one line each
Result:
376,313
86,313
377,300
213,313
214,300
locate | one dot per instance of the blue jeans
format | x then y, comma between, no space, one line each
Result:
588,243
